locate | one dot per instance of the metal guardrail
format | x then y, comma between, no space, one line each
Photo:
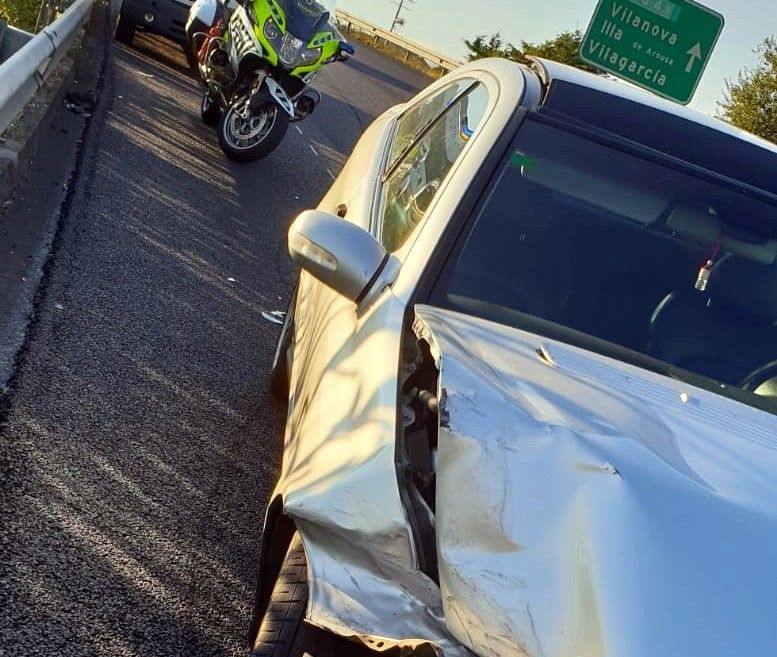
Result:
411,47
24,72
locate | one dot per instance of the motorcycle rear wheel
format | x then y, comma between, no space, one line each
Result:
246,140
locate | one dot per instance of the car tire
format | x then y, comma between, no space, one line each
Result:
191,60
282,624
125,30
282,630
210,112
281,364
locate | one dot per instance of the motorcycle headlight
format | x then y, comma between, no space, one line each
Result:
271,31
290,49
310,55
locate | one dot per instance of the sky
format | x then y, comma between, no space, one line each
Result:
444,24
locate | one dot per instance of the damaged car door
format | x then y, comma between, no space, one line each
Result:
342,416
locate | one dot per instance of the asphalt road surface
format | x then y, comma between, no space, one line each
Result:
139,442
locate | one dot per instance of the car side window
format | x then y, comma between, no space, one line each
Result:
428,141
421,115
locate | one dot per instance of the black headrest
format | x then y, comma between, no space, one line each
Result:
745,286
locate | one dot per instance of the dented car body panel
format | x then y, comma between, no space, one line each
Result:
611,496
339,481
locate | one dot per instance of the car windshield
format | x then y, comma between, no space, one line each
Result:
305,17
628,255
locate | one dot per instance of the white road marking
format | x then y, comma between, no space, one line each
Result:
315,152
298,129
331,174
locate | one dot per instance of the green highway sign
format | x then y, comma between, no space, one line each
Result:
661,45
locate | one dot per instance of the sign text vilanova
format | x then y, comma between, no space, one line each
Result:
662,45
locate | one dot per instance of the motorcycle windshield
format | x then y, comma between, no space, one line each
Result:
305,17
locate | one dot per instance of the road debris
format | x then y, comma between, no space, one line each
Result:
275,317
80,103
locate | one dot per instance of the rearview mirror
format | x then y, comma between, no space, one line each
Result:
346,51
338,253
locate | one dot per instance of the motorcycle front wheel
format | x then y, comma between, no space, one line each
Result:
247,134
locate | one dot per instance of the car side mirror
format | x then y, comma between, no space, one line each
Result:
340,254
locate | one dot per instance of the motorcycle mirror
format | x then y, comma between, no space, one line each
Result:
346,51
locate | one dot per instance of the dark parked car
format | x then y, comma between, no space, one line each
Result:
164,17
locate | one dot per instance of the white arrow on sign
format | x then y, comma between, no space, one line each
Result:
695,53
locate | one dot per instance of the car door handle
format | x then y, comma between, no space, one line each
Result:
342,210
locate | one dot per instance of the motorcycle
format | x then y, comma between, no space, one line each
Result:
257,59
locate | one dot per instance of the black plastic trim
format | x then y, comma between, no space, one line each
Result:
373,280
626,145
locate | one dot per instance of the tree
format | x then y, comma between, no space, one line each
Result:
564,48
20,13
750,102
483,46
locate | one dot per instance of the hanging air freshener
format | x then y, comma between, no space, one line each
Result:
704,276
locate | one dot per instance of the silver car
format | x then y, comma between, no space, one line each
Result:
531,374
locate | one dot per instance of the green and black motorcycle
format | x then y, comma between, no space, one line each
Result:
257,59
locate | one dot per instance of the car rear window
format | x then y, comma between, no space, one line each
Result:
630,251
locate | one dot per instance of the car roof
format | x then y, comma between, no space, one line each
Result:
550,71
612,110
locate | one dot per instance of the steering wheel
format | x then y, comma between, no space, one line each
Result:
419,202
759,376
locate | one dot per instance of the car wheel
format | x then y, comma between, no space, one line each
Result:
282,630
191,60
280,627
281,364
125,30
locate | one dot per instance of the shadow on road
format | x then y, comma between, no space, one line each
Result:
163,51
383,77
140,448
